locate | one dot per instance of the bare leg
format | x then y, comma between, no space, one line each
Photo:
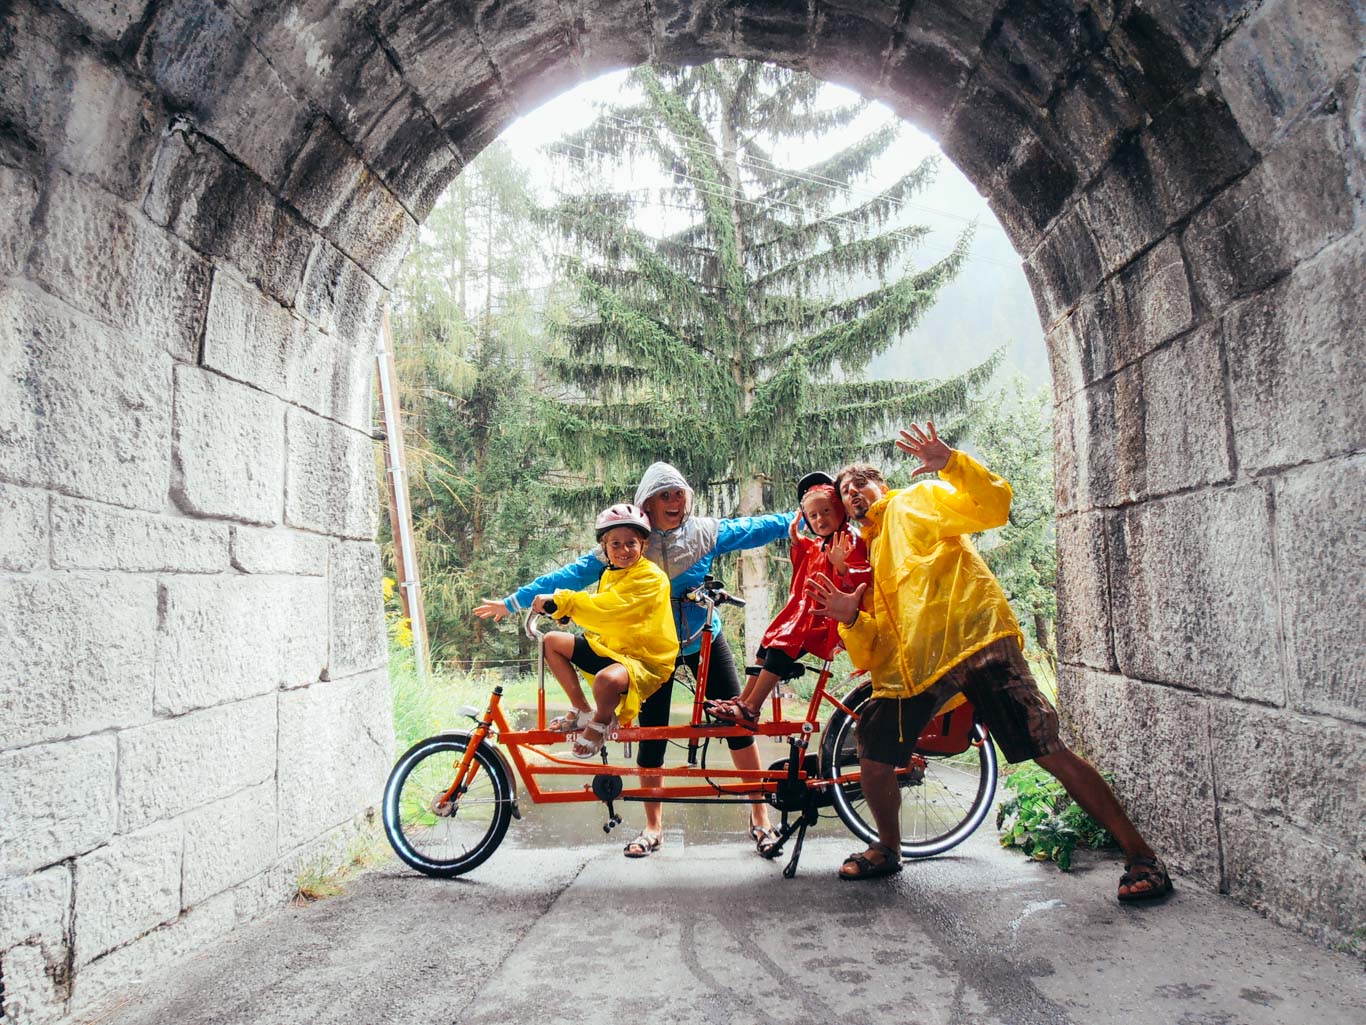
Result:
654,811
608,687
1088,788
757,691
654,712
559,646
748,758
883,797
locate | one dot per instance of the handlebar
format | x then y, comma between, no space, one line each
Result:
714,593
709,595
529,623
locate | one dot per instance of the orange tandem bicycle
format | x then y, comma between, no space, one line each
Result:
450,798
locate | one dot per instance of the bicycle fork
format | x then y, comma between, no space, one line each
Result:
467,766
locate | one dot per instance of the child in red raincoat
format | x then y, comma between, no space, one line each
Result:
835,551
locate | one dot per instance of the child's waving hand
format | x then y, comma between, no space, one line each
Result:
838,552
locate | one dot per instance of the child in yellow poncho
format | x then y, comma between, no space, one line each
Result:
629,646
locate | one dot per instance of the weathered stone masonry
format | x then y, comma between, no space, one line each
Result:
201,203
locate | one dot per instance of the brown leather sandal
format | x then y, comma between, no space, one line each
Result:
865,868
733,711
1145,870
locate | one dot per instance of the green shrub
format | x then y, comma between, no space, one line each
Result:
1042,820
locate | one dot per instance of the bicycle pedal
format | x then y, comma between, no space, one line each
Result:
711,724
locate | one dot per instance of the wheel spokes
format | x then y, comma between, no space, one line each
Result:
443,831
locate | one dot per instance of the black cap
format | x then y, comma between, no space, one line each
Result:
810,481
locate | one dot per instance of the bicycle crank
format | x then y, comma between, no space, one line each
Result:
608,789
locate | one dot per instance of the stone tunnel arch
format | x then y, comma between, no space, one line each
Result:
202,203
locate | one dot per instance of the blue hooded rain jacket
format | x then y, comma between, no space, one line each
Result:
685,554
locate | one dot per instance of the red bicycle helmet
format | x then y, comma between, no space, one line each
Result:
622,514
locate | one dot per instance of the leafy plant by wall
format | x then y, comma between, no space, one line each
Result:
1039,818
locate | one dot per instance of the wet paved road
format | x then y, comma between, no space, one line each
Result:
710,933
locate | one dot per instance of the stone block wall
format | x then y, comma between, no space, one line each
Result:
202,203
1187,186
193,703
1201,292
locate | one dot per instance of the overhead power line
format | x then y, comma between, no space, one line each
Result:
642,129
704,187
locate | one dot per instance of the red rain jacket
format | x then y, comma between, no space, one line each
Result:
796,628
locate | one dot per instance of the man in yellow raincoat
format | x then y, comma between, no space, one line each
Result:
936,625
629,644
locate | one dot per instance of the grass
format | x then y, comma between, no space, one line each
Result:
423,709
1354,944
326,875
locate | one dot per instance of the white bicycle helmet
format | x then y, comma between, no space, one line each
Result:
622,514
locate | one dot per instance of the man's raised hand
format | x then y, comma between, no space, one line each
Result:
828,600
932,453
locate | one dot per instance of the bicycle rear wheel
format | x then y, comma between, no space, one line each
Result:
446,839
941,804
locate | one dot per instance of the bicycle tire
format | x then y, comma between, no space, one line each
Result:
446,845
939,810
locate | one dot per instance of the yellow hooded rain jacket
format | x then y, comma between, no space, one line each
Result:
630,621
932,602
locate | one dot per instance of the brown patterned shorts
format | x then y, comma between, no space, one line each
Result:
997,680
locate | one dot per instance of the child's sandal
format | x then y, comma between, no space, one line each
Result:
736,712
712,705
590,741
571,722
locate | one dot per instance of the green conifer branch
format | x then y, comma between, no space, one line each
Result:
840,260
675,337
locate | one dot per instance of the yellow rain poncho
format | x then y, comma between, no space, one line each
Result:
933,602
630,621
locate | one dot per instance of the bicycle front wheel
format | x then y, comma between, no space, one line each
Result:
439,837
941,803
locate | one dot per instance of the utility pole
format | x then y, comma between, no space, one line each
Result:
400,508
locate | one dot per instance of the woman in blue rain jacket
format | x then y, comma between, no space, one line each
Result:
683,546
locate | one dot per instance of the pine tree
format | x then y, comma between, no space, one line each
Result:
1014,432
465,325
731,346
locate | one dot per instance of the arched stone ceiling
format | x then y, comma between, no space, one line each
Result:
201,203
